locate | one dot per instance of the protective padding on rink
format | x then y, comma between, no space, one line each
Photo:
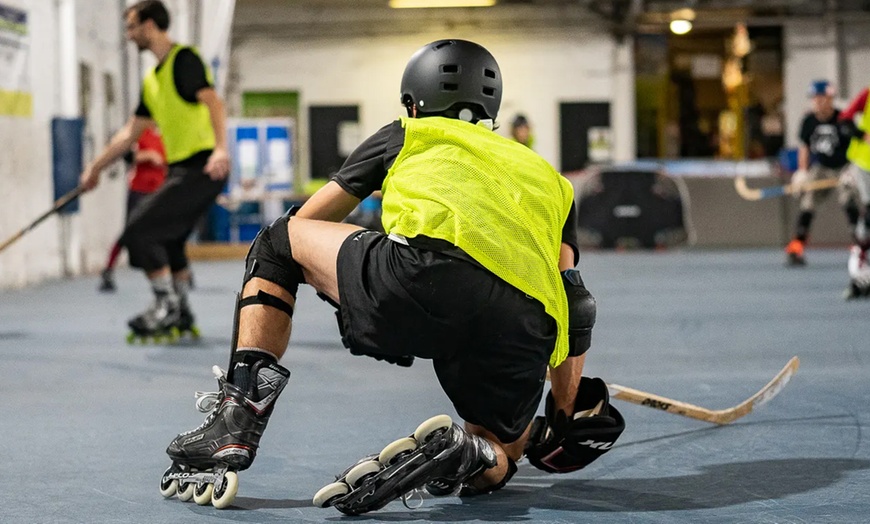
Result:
86,418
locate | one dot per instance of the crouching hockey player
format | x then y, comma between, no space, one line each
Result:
473,270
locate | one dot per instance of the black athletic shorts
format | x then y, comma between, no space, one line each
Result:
158,227
134,198
490,343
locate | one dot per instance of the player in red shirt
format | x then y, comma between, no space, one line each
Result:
146,176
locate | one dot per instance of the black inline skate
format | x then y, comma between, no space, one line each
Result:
187,322
158,323
859,273
439,455
205,461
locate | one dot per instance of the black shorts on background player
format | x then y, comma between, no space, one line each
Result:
157,230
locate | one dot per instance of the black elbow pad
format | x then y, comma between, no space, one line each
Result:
581,313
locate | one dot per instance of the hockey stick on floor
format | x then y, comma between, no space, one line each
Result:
721,416
777,191
58,204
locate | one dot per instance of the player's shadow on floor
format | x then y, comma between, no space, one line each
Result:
715,486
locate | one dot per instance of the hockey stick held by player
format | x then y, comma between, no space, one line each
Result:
57,206
764,193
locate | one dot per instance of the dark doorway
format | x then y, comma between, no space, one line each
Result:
577,119
325,123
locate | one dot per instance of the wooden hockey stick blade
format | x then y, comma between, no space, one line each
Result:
58,204
721,416
764,193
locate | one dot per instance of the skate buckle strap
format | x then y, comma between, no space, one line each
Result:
410,496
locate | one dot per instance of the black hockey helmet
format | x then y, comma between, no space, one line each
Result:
451,75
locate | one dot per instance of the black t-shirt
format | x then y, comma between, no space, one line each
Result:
825,139
365,169
189,73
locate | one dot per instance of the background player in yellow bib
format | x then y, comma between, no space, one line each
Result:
179,97
474,271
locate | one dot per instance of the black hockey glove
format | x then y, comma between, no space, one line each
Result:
558,444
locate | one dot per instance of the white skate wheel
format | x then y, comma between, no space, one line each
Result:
185,491
324,497
431,426
228,494
168,489
360,471
396,448
202,494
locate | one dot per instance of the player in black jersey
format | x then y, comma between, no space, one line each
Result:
821,156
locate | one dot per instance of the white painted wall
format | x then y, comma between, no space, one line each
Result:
99,26
26,165
540,70
25,159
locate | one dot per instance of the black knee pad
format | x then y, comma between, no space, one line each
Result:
271,258
581,313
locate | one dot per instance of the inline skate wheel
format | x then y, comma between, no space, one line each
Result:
168,488
329,493
397,449
185,491
361,471
223,498
429,427
202,493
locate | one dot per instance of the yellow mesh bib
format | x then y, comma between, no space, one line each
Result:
859,150
495,199
186,127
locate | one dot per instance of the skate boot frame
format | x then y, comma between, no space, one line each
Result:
437,453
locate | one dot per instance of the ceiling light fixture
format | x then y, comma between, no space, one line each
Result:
681,21
680,27
416,4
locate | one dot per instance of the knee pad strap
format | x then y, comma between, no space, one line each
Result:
266,299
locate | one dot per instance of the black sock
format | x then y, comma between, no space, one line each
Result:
241,374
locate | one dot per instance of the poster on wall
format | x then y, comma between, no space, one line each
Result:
600,142
15,96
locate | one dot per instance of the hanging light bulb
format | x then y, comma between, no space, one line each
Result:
681,21
680,27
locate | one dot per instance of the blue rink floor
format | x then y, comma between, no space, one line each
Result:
86,418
